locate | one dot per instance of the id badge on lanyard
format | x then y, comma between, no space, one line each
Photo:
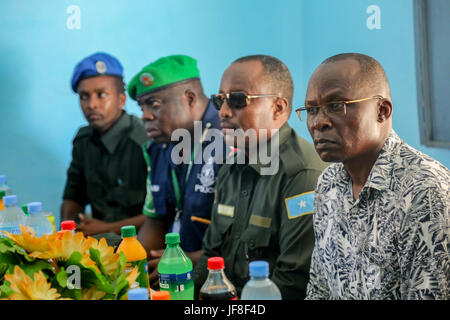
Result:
176,227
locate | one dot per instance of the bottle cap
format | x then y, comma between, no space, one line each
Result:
259,268
161,295
138,294
172,238
8,200
216,263
128,231
2,193
34,207
2,178
68,225
25,209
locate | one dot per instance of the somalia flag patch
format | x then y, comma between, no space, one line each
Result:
300,205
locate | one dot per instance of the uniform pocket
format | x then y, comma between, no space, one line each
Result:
256,241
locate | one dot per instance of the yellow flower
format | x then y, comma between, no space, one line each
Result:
26,288
92,294
29,241
108,258
62,248
132,276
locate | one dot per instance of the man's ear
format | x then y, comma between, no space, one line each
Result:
384,110
122,100
280,108
191,97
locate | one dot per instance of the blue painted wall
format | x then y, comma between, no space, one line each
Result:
39,114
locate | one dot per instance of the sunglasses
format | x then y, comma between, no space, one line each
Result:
236,100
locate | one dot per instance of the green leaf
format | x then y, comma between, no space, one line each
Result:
61,278
75,259
36,266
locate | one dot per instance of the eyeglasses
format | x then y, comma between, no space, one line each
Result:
237,99
331,108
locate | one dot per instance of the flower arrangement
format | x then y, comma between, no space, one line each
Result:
55,267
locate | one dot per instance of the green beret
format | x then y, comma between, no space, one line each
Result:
163,73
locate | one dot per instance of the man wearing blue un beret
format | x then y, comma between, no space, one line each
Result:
107,170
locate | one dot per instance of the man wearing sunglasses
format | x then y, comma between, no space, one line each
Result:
179,195
381,209
259,216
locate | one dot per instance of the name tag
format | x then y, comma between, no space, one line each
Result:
225,210
259,221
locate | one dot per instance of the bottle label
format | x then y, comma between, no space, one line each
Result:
176,282
142,280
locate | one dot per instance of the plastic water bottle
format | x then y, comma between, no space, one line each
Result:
175,270
50,217
217,286
138,294
37,220
260,287
4,186
12,217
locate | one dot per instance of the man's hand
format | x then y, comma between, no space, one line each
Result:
153,260
90,226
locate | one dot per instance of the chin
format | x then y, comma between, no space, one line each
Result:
330,157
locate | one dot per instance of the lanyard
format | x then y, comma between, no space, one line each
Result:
176,185
149,204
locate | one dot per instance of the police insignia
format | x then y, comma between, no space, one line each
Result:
300,205
146,79
100,66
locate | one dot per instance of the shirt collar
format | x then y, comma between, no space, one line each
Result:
283,134
112,137
381,174
211,116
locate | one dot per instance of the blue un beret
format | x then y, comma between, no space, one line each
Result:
98,64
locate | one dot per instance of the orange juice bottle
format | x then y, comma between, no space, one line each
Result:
136,256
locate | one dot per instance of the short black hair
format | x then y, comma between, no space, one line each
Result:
278,73
371,72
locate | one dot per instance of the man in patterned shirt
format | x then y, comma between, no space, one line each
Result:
381,209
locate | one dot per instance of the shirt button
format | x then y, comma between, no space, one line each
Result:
244,193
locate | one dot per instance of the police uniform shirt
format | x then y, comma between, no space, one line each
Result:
197,191
109,172
266,217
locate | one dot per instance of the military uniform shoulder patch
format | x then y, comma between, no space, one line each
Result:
300,205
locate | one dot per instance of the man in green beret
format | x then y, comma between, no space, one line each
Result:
179,194
107,169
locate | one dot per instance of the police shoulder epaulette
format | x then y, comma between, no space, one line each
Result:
291,160
83,132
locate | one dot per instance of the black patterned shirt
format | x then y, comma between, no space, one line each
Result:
393,241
